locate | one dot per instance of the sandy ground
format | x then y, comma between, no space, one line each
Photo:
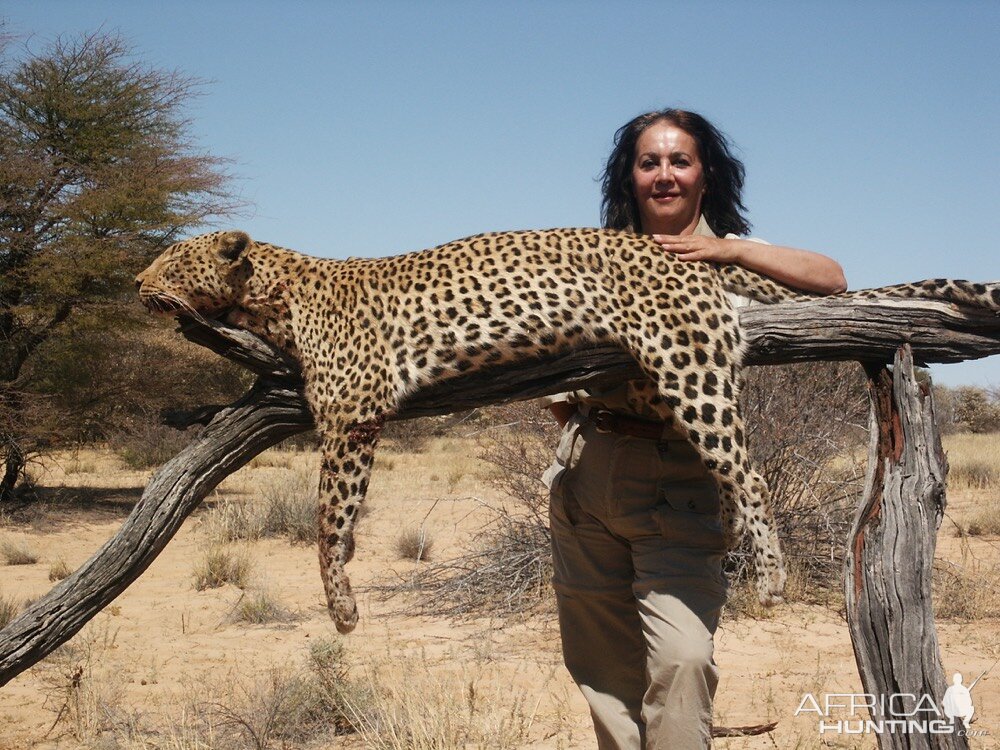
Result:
163,645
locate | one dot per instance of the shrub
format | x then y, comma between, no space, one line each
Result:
804,423
288,706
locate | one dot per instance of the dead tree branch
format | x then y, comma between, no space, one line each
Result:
275,409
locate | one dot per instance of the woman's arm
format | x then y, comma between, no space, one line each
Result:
802,269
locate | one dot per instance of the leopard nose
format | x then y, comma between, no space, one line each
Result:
138,283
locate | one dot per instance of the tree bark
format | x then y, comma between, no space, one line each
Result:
275,409
265,416
891,555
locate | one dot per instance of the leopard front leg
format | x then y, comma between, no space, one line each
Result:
348,452
711,418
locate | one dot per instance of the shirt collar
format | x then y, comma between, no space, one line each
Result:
703,228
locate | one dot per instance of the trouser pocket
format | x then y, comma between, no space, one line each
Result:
687,513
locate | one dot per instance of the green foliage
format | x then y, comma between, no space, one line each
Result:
97,175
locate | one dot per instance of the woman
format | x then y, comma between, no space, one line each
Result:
637,542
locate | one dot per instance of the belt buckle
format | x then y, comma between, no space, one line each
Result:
602,421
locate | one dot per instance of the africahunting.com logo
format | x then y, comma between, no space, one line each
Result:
896,713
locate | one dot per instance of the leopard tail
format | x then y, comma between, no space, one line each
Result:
760,288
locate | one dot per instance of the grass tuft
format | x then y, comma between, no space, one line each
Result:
963,593
414,544
412,704
974,474
17,552
59,570
8,609
260,607
221,565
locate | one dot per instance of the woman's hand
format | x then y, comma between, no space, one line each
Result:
700,247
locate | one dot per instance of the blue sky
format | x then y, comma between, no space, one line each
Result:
868,128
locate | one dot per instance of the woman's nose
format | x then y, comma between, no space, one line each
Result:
664,173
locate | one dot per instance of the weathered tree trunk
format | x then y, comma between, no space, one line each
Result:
891,555
275,409
13,467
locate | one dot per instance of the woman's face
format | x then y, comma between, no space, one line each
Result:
668,179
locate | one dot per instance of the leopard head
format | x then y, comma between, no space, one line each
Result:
204,275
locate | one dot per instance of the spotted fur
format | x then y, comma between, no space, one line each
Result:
367,332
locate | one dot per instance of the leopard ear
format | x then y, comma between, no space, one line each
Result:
232,244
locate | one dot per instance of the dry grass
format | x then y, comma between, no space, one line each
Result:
222,564
985,519
283,707
288,505
79,464
233,521
17,552
284,504
260,607
742,600
966,592
59,570
9,609
411,705
415,544
83,690
973,459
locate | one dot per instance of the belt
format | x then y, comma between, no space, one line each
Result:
608,421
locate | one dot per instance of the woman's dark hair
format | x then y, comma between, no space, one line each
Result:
723,202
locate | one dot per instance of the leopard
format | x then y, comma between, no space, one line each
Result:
368,332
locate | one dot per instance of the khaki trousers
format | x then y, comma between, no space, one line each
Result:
637,549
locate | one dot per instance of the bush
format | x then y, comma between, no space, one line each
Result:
286,706
508,570
805,425
976,409
805,422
